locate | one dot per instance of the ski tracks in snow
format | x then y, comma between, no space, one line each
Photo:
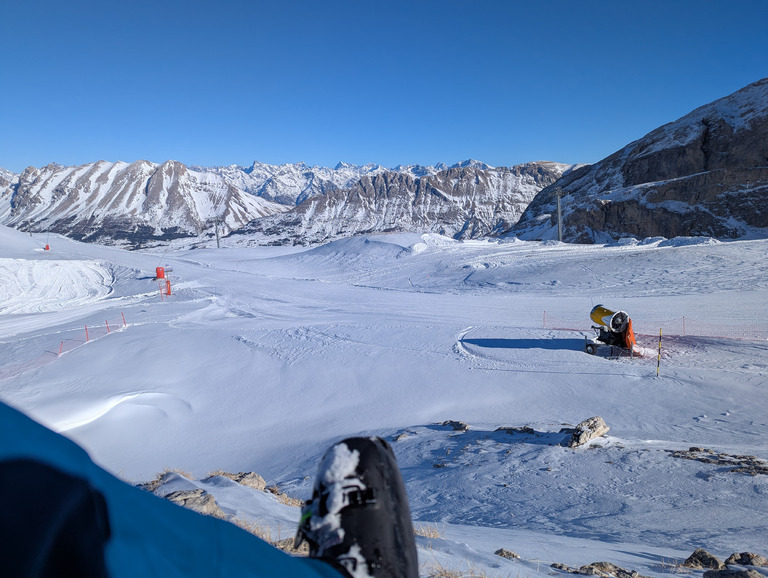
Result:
41,286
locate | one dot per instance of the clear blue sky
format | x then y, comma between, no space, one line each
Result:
383,81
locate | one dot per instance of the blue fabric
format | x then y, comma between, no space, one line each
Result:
149,536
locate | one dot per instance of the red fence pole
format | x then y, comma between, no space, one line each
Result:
86,334
107,326
124,324
61,347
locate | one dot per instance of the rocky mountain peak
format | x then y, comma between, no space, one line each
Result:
703,174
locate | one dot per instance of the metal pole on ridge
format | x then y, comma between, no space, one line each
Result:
658,359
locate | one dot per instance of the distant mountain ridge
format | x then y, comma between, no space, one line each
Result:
466,201
705,174
142,202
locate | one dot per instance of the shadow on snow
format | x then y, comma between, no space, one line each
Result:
499,343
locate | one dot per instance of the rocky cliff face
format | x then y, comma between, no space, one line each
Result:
704,174
461,202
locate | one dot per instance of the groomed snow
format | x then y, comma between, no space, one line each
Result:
263,357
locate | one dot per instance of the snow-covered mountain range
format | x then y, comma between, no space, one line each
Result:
704,174
126,202
466,201
142,202
292,184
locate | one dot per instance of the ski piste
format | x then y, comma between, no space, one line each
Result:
358,518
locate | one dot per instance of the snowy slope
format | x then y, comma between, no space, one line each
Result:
263,357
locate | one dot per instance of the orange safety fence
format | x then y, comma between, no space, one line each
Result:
85,334
680,326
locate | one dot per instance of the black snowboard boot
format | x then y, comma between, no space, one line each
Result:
358,519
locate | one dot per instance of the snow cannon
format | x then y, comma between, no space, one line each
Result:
615,321
614,331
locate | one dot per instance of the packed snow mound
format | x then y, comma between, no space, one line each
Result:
51,285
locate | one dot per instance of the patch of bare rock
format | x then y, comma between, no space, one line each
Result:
604,569
736,463
736,566
198,500
716,568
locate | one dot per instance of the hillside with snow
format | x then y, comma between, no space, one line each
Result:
703,174
262,357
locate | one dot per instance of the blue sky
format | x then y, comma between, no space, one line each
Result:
362,81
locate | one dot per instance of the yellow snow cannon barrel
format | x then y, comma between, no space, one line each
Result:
616,321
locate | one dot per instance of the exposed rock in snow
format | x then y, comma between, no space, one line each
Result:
733,573
197,500
703,559
250,479
747,559
586,431
459,426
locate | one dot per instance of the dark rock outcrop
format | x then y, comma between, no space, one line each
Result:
702,559
747,559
